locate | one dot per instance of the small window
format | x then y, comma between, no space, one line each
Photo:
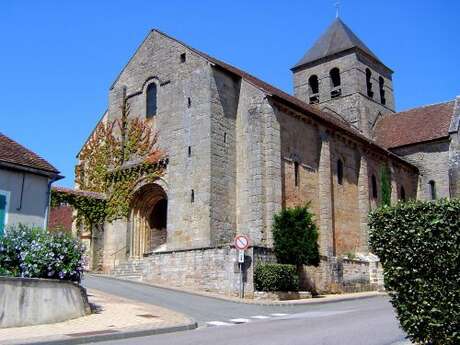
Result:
374,187
296,173
335,77
189,151
370,93
225,137
432,185
192,196
340,172
151,100
402,194
382,90
182,57
189,102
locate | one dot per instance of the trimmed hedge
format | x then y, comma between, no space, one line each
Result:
276,277
32,252
419,246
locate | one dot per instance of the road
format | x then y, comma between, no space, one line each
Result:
367,321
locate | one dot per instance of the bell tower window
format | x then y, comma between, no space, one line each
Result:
151,100
334,74
314,89
382,90
370,93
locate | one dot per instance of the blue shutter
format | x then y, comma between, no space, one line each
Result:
2,213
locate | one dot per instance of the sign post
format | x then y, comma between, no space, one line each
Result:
241,243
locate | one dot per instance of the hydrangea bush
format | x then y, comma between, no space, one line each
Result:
32,252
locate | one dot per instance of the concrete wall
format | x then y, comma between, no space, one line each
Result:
31,209
27,301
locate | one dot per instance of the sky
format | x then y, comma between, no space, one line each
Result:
59,58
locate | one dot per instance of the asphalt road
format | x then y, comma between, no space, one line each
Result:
367,321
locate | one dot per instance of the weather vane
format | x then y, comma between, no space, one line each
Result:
337,8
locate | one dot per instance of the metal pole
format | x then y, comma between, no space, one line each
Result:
241,281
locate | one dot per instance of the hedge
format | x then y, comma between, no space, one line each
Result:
276,277
32,252
419,246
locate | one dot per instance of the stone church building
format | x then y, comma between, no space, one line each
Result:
239,150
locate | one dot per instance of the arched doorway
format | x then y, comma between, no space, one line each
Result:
148,220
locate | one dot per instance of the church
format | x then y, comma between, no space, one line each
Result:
239,150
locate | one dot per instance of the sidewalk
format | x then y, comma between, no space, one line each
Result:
316,300
112,318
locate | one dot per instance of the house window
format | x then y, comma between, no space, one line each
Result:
314,89
4,196
151,100
370,93
402,194
182,57
296,173
432,185
339,171
374,187
335,80
382,91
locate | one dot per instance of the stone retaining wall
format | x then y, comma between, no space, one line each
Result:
30,301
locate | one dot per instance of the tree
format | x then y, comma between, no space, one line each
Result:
295,238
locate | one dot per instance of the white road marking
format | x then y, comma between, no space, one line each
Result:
278,314
239,320
218,323
261,317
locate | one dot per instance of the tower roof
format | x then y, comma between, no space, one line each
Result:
337,38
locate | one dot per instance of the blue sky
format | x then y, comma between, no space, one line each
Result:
59,58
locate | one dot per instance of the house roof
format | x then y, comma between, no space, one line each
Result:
84,193
13,153
337,38
416,125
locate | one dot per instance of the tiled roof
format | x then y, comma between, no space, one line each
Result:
337,38
13,153
415,125
291,101
85,193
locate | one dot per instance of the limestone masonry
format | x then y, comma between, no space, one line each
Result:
240,150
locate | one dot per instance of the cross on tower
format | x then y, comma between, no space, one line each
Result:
337,8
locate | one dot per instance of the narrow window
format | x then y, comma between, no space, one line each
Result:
402,194
370,93
225,137
374,187
296,173
335,80
382,90
182,57
189,102
151,100
192,196
314,89
189,151
339,171
432,189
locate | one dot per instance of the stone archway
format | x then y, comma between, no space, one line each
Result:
148,220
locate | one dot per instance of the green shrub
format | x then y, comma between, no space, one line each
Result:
32,252
419,246
276,277
295,237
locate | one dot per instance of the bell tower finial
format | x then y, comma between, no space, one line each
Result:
337,8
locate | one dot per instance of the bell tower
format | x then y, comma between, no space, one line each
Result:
341,75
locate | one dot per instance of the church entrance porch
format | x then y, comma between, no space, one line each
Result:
148,220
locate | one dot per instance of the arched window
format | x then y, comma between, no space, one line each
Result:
339,171
402,194
374,187
313,83
432,189
370,93
382,90
335,77
151,100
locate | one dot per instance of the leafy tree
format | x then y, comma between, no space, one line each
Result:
385,182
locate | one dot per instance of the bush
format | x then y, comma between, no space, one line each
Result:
419,246
295,237
276,277
34,253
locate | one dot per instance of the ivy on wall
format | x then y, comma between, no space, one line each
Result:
385,184
116,157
